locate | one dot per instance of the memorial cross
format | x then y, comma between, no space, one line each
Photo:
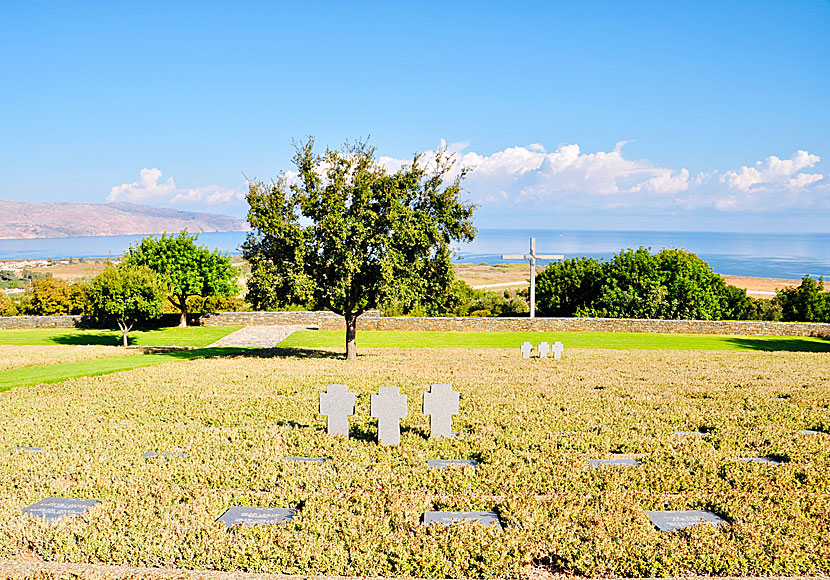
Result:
526,349
544,349
338,404
532,256
388,407
557,350
440,403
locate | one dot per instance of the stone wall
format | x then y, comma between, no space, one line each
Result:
373,321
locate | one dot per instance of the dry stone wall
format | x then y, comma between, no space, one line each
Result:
373,321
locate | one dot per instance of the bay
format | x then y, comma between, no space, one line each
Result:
764,255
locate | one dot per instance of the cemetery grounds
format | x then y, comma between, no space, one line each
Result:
532,425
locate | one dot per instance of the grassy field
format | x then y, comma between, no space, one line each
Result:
196,336
532,424
619,340
13,357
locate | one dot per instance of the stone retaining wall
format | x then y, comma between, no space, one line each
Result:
373,321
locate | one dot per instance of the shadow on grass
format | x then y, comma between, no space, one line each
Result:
94,338
291,352
818,344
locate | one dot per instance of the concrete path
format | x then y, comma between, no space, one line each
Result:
258,336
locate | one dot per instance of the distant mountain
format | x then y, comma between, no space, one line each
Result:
23,219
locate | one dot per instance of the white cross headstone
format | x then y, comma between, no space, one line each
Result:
388,407
440,403
557,350
532,256
526,349
544,349
338,404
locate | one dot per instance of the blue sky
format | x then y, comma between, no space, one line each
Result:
606,115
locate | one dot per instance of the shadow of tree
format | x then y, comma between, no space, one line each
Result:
818,344
292,352
92,338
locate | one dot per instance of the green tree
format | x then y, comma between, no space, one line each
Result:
806,303
128,294
567,287
188,269
348,236
53,297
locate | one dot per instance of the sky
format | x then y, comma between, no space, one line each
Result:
693,116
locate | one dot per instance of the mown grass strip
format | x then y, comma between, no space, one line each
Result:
90,368
195,336
608,340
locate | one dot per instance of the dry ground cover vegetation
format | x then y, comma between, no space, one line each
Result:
532,425
14,357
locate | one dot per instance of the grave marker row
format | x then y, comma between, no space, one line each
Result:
544,350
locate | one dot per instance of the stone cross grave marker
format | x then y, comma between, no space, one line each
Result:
526,348
544,349
445,463
621,462
669,521
440,403
337,403
451,518
557,350
388,407
54,508
255,516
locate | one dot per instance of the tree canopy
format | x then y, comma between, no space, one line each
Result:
187,269
347,235
806,303
128,294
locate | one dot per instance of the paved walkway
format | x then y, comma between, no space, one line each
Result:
258,336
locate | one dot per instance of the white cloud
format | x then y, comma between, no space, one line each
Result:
774,172
148,190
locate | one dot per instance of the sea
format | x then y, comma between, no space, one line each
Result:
744,254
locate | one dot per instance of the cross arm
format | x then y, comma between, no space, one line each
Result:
515,257
550,257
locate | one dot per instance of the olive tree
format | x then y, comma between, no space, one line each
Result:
347,236
188,269
128,294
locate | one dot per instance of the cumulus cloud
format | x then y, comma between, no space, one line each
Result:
774,171
148,189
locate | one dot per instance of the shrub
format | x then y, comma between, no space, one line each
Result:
806,303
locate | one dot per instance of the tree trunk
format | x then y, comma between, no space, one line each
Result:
183,308
351,330
124,330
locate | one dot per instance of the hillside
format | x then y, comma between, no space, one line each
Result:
21,219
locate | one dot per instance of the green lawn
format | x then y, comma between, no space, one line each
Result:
611,340
196,336
89,368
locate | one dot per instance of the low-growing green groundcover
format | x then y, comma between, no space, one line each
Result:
196,336
531,425
33,375
613,340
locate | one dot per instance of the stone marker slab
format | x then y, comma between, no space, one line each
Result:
441,403
526,349
558,349
778,399
388,407
307,459
669,521
165,455
544,350
54,508
337,403
255,516
445,463
614,462
29,448
451,518
689,433
809,432
767,460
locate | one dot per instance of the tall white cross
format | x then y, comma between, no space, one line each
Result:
532,256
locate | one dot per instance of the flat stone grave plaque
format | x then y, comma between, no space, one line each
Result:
688,433
307,459
778,399
165,455
621,462
767,460
809,432
54,508
558,349
255,516
29,448
669,521
526,349
544,350
450,518
444,463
